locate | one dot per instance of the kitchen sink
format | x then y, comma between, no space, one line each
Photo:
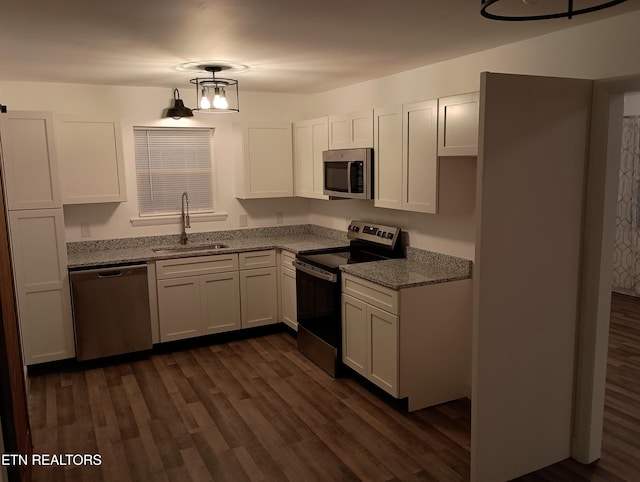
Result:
189,249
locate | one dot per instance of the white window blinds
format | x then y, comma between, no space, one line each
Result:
169,162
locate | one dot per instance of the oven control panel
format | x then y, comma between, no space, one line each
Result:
375,233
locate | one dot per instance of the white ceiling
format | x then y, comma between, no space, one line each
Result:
288,45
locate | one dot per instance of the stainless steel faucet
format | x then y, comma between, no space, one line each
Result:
184,218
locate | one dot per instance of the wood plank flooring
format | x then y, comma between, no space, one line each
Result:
257,409
253,409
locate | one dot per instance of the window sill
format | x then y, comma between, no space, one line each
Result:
175,218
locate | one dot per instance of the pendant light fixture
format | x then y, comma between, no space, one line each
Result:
521,10
216,94
178,110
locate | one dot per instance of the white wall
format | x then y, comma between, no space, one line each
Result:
143,106
598,50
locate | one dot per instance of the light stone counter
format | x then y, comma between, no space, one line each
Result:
297,239
419,268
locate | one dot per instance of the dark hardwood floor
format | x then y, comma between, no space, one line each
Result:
257,409
254,409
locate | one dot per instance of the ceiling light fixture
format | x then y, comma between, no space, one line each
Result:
178,110
533,10
225,91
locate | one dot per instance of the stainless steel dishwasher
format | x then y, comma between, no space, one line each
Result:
111,311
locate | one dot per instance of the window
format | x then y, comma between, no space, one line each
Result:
169,162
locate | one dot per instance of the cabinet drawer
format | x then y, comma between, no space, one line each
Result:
258,259
286,259
174,268
374,294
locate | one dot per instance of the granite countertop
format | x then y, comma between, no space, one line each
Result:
90,254
419,268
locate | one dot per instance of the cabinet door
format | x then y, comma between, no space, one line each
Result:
382,341
420,159
458,125
388,157
303,159
319,144
259,297
266,163
42,284
339,134
29,160
354,334
361,129
310,139
288,297
90,159
220,298
351,130
179,308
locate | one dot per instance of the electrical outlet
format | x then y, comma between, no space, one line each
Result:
242,220
279,217
85,230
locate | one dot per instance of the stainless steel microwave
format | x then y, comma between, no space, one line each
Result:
348,173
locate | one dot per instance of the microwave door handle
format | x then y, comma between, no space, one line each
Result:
350,186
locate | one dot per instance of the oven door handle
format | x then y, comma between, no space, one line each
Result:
324,275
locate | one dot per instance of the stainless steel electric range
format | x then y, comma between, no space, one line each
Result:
318,287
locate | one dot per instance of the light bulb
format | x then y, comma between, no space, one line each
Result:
204,101
219,100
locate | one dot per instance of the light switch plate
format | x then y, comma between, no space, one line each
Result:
242,220
279,217
85,230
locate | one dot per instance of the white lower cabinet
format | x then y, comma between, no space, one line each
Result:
370,342
414,343
288,299
258,289
220,300
206,302
382,340
354,334
179,308
42,284
214,294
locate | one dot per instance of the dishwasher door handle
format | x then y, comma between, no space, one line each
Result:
110,274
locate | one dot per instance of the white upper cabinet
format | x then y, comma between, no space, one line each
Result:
387,146
265,164
29,160
406,160
409,174
458,125
351,130
90,160
420,156
310,139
